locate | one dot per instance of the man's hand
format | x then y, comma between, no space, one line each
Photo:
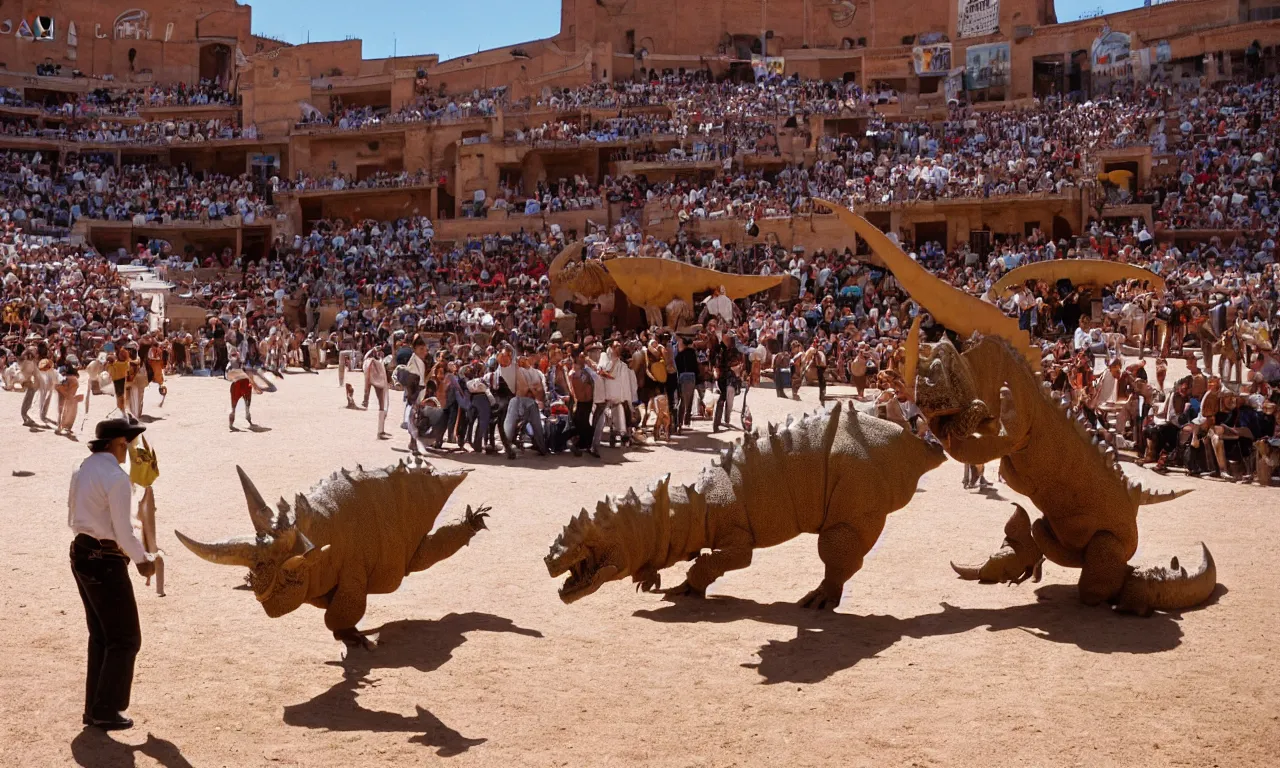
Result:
146,569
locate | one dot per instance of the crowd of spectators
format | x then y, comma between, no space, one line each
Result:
483,303
92,187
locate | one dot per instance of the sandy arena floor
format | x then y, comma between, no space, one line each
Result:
480,663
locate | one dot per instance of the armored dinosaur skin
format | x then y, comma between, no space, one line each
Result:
837,473
354,534
571,275
1089,507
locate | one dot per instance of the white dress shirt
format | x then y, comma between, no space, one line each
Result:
100,504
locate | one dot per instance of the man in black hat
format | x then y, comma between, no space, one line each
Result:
100,506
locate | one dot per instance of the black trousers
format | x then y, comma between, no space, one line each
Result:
582,425
101,571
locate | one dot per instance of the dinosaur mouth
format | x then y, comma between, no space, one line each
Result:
586,574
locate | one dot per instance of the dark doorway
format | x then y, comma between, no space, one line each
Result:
931,232
215,63
1048,76
1062,229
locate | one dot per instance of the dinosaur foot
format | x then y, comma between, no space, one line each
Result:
1034,572
354,639
684,590
819,600
648,582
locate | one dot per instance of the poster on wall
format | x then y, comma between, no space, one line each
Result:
978,18
932,59
1142,68
954,83
765,66
986,66
1164,54
1110,54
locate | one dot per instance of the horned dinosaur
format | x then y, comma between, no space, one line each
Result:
837,473
1089,507
354,534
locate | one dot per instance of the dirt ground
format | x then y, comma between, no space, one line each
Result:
480,664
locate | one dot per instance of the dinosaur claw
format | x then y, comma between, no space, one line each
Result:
819,600
648,583
684,590
476,518
354,639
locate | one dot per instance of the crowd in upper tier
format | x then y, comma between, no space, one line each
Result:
359,291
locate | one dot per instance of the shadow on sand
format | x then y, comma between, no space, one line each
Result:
827,643
421,645
93,748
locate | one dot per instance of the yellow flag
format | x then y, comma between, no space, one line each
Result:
144,467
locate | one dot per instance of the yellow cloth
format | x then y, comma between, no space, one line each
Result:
144,466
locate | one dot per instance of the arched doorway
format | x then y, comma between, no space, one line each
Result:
1062,229
215,63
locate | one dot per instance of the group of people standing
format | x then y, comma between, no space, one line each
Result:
48,368
555,396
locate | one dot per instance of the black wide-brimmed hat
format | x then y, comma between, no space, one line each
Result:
109,429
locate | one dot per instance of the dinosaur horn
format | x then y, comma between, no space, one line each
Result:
912,350
259,512
1169,589
236,551
967,572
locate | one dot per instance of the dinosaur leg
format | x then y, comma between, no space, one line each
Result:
1053,549
841,550
711,566
446,541
345,610
1018,559
1105,569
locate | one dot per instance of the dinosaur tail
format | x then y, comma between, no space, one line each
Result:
1168,589
1143,497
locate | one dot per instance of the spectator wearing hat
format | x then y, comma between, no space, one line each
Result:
100,505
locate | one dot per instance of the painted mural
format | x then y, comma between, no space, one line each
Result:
986,66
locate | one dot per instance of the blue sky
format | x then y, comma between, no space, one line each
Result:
448,27
456,27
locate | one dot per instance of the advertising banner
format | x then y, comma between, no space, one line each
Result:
978,18
986,66
771,65
953,84
932,59
1110,54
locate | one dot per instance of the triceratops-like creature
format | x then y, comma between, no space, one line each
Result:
837,473
352,535
1090,508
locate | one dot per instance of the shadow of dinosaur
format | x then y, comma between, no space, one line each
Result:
421,645
827,643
